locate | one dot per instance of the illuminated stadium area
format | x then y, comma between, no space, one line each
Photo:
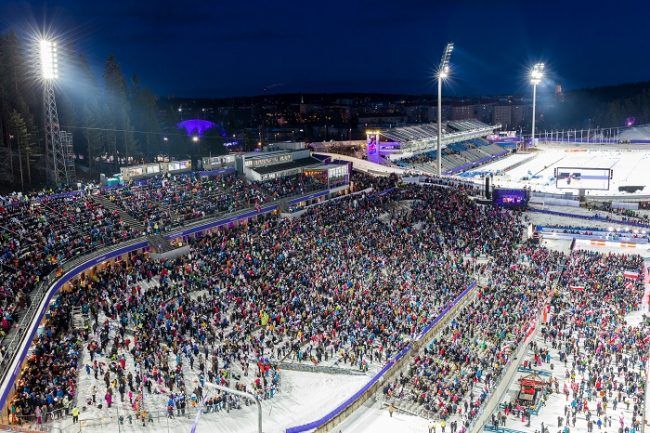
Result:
414,147
331,298
437,277
623,154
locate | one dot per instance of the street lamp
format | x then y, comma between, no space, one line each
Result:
443,73
195,138
536,76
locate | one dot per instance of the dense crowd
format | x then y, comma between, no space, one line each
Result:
349,283
459,368
167,201
597,349
265,291
38,234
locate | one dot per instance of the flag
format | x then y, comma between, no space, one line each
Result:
578,288
631,275
629,285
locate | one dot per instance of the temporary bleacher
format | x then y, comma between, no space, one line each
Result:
456,157
423,138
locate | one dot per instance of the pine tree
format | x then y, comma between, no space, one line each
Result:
117,110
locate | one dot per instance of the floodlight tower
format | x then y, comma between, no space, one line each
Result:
60,168
536,76
443,73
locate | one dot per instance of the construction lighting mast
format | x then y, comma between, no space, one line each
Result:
58,144
443,73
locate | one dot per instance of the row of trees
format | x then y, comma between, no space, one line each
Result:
600,107
109,116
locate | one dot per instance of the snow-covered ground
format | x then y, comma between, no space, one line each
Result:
628,164
303,397
376,419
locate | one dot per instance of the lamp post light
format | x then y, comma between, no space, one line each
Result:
443,73
536,76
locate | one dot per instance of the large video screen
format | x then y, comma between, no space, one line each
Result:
582,178
515,198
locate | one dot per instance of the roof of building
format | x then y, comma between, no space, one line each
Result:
298,163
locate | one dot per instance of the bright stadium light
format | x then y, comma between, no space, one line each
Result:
536,76
443,73
49,65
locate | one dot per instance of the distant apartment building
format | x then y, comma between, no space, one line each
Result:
381,121
519,115
511,116
502,114
462,112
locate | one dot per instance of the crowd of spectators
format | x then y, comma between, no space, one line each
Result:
258,293
459,368
595,348
349,283
38,234
167,201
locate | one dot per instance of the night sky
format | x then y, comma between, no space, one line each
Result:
223,48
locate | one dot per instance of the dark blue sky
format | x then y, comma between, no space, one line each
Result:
224,48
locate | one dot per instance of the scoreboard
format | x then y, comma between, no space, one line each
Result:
582,178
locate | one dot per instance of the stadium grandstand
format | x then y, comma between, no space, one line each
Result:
464,146
315,291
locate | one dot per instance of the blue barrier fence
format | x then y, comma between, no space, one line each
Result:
221,222
215,172
593,234
347,403
589,217
310,196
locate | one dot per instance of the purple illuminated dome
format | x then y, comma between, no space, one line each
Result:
196,127
630,121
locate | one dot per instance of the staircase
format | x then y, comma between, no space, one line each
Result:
126,217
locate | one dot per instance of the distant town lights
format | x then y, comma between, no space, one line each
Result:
195,139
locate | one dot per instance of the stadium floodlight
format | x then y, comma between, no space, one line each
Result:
536,76
443,73
58,144
49,65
